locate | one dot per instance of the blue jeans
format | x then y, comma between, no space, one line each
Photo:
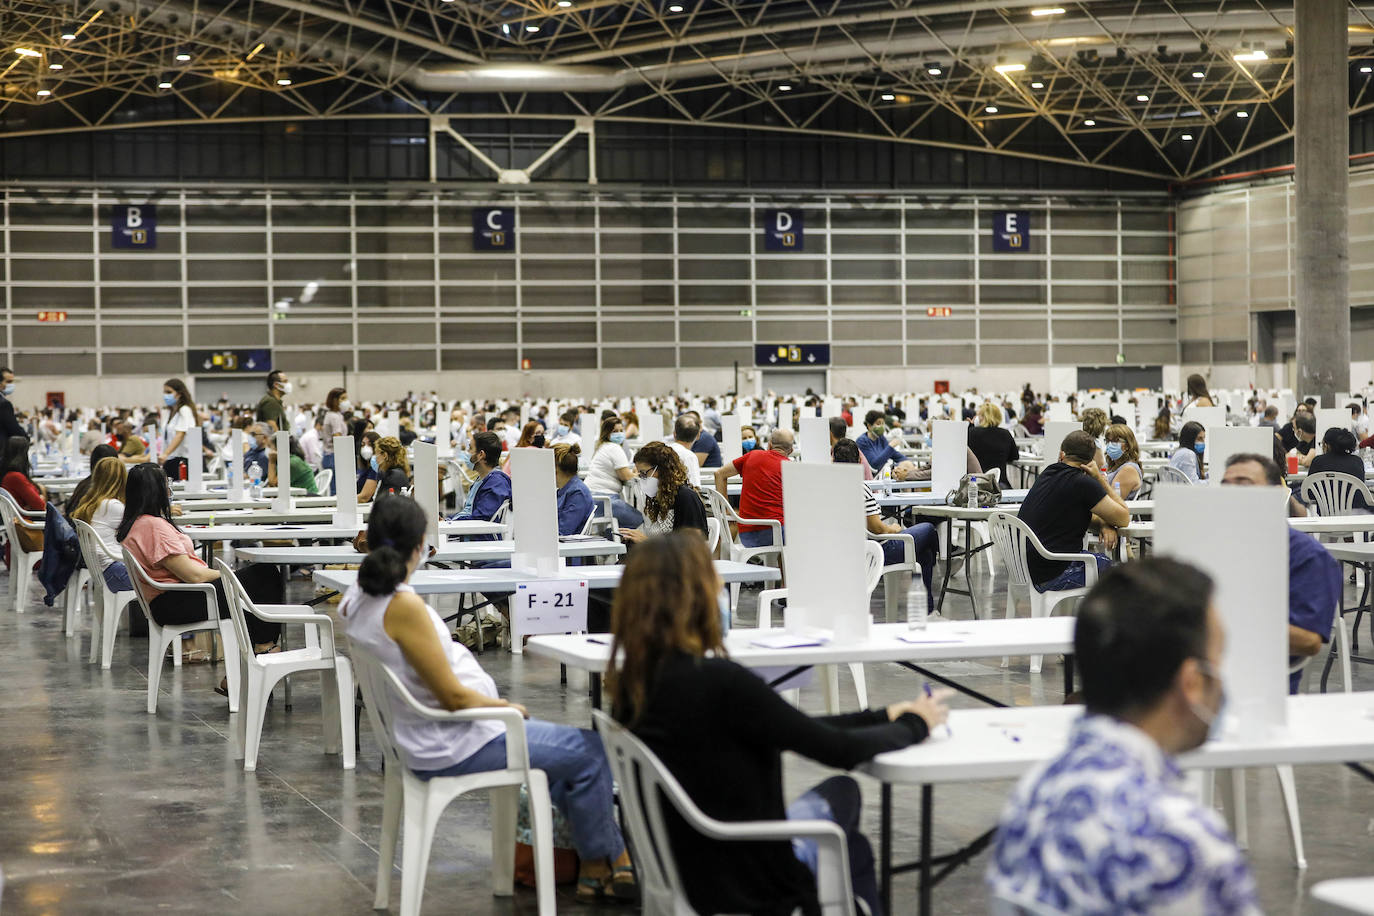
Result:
1072,577
762,538
838,800
626,515
117,577
327,463
927,543
579,781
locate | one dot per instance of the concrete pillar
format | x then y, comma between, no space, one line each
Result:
1322,129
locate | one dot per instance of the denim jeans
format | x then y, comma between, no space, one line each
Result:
327,464
927,544
579,781
1072,577
838,800
117,577
626,515
763,538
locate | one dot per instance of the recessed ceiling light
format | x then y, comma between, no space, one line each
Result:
784,87
1198,74
1186,137
934,71
1242,114
54,66
1367,69
27,52
991,109
1037,85
1009,68
164,83
183,55
1089,122
44,92
887,97
1142,97
1048,11
531,28
675,8
69,32
283,81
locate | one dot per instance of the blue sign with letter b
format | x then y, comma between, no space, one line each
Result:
134,226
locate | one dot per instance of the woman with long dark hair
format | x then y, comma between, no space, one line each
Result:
333,424
16,477
1191,445
671,503
382,613
707,717
177,399
168,555
1198,395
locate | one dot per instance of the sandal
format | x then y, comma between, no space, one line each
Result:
271,648
623,883
222,688
591,890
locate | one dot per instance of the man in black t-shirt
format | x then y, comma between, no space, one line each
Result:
1069,497
1300,434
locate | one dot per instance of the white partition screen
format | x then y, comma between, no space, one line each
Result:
534,511
824,554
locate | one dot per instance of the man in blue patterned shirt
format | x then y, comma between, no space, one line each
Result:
1108,827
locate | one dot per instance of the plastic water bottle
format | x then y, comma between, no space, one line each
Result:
972,497
255,483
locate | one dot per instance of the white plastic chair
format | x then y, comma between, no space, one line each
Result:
1334,493
160,637
897,576
424,802
77,584
1169,474
712,535
16,519
323,479
647,789
720,508
108,606
1014,540
262,672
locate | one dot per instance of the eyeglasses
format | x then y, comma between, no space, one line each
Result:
645,474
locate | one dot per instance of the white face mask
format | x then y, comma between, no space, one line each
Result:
650,486
285,387
366,452
345,404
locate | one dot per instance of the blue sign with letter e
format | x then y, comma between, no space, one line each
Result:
134,226
1011,231
784,230
493,229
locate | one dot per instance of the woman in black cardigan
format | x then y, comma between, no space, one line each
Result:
721,730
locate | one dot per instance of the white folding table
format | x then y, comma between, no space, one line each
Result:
996,744
451,552
1344,897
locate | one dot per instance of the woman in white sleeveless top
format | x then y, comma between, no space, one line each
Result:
383,613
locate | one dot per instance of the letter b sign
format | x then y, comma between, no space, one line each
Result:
134,226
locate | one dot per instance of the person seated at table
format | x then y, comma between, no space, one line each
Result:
1163,429
924,535
302,477
132,448
1109,826
387,471
575,504
1095,422
256,455
1191,447
17,480
167,555
760,495
1338,456
382,613
705,716
874,445
101,505
838,431
1198,395
565,432
993,446
706,448
749,439
610,470
1314,576
671,502
1123,460
531,436
1300,435
491,490
1070,497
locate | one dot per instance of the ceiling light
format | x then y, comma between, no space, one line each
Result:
1367,69
1242,114
505,28
27,52
164,82
565,3
888,97
991,109
1009,68
1048,11
1186,137
531,28
933,70
1037,85
54,65
69,32
43,92
1198,74
283,81
784,87
675,8
1255,54
183,55
1089,122
1142,97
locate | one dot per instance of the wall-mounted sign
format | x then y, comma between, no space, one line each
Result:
1011,231
134,227
939,311
52,316
784,230
493,229
768,355
220,362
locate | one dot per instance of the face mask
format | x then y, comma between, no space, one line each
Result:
538,441
366,452
618,438
1113,450
285,387
748,444
7,390
563,430
373,462
650,486
169,399
1200,447
1214,720
345,405
879,429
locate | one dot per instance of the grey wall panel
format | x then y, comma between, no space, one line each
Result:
141,335
239,334
469,360
636,357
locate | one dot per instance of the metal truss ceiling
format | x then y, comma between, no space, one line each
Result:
1151,87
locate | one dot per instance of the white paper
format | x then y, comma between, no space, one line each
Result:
786,641
548,606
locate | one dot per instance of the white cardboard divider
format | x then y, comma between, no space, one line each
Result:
426,490
730,447
1125,411
1059,411
824,554
1225,441
1328,417
949,460
746,414
1207,416
651,426
283,501
235,468
831,407
785,416
1055,431
389,424
345,483
195,461
815,441
1287,404
534,511
1249,566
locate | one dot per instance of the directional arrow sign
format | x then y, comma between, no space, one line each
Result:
226,361
793,354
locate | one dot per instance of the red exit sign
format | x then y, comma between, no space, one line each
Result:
52,316
939,311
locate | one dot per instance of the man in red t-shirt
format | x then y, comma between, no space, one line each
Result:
760,486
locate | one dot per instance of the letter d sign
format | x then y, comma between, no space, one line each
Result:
784,230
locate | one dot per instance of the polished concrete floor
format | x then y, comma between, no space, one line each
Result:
104,808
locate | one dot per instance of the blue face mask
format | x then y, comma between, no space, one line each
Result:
373,462
169,399
1113,450
7,390
1200,447
563,430
748,444
618,438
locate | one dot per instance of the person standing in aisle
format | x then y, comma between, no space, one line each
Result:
270,408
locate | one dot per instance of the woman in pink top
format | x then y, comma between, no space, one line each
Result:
168,555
